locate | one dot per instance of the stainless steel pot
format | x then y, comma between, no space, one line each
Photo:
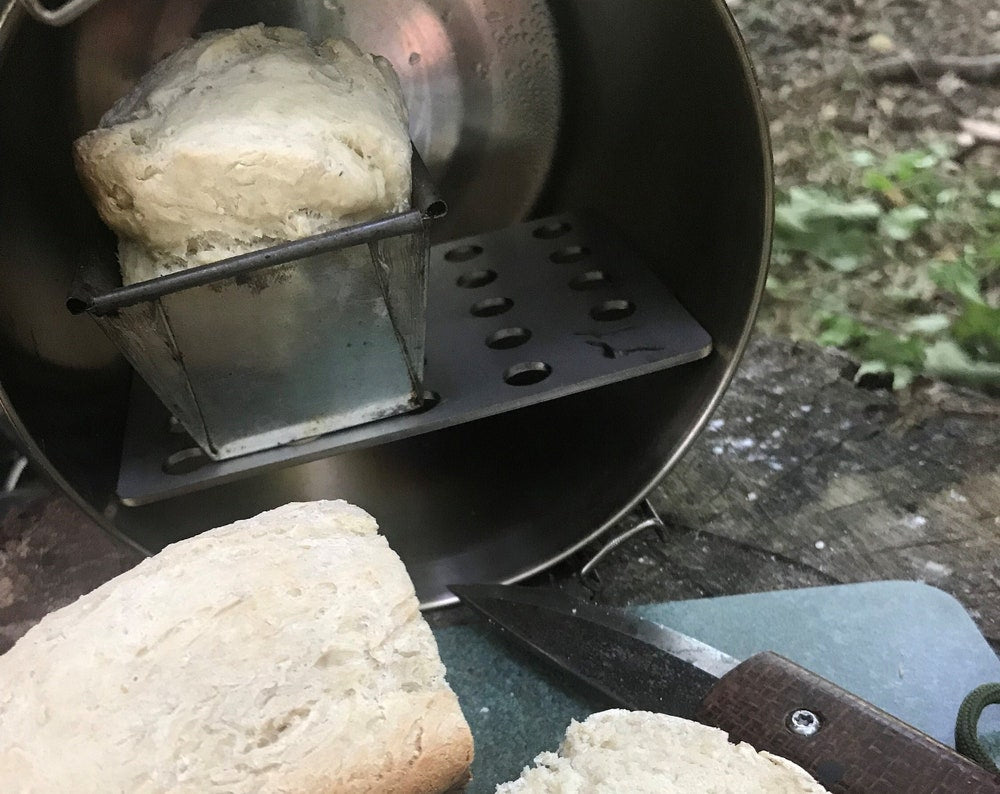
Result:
644,111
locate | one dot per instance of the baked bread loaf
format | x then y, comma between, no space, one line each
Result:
244,138
644,753
285,653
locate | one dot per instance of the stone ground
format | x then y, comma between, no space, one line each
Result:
814,60
801,478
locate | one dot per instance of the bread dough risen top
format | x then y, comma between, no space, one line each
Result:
246,137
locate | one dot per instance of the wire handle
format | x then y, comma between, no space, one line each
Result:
644,516
57,17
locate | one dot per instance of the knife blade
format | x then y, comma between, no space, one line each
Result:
847,744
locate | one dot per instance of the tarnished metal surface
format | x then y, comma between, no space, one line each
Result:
62,15
287,352
546,345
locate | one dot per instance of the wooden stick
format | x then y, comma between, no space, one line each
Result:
983,133
909,68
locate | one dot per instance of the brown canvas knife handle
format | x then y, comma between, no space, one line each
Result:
855,746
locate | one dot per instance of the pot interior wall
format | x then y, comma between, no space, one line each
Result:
644,112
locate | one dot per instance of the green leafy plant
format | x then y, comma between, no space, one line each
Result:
901,223
977,330
832,230
959,278
912,248
903,178
879,350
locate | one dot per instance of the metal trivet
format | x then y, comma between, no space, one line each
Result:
515,317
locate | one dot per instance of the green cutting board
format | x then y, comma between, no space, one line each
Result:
909,648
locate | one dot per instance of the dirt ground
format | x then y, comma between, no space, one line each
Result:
814,59
811,58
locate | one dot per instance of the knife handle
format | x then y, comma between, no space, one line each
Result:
855,746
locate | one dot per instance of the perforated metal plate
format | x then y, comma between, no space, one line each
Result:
515,317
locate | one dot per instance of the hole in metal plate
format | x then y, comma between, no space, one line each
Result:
527,373
612,310
185,461
529,293
570,254
592,279
507,338
429,399
436,209
463,253
476,278
549,231
490,307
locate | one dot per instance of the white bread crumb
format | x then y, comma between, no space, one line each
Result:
645,753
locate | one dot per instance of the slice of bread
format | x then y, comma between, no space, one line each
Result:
283,653
243,138
645,753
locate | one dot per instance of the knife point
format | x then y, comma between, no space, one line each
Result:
462,590
471,590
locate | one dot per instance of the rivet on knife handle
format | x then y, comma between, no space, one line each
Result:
852,746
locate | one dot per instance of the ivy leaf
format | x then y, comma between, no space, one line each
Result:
928,324
876,180
904,165
844,251
883,351
945,359
839,330
904,351
977,330
901,223
879,351
902,376
993,199
804,206
832,230
959,278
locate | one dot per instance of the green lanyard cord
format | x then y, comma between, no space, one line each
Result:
967,725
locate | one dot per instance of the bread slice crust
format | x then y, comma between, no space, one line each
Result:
646,753
283,653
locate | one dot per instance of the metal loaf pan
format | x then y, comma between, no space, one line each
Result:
283,344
